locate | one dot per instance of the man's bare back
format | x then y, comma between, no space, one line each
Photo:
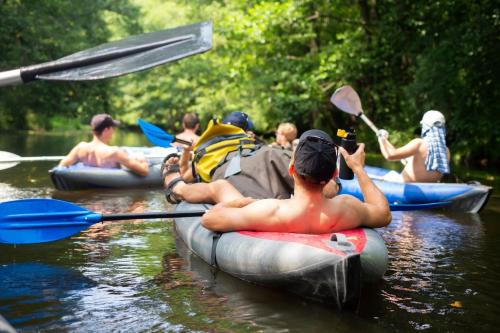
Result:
101,155
186,135
415,170
190,125
427,157
415,152
98,153
288,215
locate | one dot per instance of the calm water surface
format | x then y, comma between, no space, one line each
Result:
137,276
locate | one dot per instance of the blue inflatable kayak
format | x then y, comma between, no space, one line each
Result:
80,176
412,196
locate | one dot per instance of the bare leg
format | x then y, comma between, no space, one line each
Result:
214,192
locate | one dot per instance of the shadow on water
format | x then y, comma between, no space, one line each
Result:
50,289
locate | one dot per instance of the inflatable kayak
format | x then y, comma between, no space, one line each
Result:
330,267
80,176
412,196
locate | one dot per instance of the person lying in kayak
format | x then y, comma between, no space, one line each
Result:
99,154
309,211
427,157
226,151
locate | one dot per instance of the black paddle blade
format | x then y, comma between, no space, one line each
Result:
136,53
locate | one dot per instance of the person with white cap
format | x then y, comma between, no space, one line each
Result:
99,154
427,157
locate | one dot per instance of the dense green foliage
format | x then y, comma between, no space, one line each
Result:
277,61
33,32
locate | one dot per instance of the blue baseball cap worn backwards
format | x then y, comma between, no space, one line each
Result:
239,119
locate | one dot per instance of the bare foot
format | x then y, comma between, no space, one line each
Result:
170,170
172,180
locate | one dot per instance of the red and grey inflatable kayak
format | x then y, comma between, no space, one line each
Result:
329,267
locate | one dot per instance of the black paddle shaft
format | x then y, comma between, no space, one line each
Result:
184,142
151,215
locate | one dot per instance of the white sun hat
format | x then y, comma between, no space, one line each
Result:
433,118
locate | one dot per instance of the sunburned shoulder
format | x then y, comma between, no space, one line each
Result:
342,199
343,203
266,208
82,144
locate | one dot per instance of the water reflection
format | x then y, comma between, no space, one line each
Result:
117,260
434,268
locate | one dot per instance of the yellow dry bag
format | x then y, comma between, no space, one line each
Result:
218,140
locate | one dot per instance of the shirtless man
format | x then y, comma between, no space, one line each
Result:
190,125
427,157
309,211
99,154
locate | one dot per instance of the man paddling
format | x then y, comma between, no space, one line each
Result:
190,125
312,167
427,157
99,154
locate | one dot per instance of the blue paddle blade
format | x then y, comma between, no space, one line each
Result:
30,221
155,135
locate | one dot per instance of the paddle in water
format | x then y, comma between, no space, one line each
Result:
136,53
157,136
30,221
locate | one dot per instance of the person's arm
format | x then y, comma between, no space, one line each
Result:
139,166
257,215
391,153
71,158
374,212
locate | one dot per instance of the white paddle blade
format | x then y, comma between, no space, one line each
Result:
347,100
5,158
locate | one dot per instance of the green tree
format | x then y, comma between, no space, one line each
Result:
37,31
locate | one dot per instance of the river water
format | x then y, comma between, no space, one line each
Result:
137,276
